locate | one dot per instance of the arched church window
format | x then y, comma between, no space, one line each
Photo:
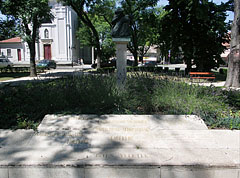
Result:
46,34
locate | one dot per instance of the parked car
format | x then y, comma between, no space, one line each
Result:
45,63
4,62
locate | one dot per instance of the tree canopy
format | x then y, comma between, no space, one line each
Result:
104,30
195,30
141,17
31,13
9,28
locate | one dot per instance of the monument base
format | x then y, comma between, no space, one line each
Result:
121,49
116,146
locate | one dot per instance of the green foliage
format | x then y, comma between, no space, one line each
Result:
31,14
187,25
9,28
24,106
188,99
141,18
28,12
106,70
104,30
95,24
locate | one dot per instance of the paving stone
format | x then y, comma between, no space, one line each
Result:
3,172
29,172
173,172
118,172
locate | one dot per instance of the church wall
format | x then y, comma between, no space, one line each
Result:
74,41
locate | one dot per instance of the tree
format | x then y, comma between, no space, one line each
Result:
196,29
31,14
104,30
85,9
141,18
160,39
9,28
234,58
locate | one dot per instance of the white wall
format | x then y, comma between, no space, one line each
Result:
14,47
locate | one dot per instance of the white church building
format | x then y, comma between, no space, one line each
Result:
57,39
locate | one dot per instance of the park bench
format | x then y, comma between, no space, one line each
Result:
202,75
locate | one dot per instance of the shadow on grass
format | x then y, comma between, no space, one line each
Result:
13,75
24,106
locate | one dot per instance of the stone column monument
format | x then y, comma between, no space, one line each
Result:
121,33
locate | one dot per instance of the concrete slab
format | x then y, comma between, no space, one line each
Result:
38,172
160,122
119,172
15,138
153,139
3,172
174,172
116,145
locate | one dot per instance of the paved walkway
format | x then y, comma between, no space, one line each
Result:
49,74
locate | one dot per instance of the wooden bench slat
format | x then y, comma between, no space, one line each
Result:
204,77
200,73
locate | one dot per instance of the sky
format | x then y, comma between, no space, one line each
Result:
165,2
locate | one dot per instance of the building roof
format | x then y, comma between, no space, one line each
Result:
12,40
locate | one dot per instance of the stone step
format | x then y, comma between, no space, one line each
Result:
114,146
118,172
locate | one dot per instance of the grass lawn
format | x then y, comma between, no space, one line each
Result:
25,106
12,75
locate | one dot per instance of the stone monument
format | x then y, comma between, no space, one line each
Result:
121,33
116,146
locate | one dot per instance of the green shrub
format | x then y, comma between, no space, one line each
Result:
106,70
25,106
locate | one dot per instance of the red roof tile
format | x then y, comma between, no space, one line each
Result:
12,40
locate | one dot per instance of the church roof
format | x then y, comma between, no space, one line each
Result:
12,40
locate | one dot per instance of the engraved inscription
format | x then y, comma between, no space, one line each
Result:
79,138
121,138
60,134
77,141
123,155
123,129
126,121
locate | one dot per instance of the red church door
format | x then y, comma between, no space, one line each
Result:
19,54
47,51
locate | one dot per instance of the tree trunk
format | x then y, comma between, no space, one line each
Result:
31,45
189,65
33,71
135,55
83,16
233,59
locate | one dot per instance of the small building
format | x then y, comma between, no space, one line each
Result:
14,49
